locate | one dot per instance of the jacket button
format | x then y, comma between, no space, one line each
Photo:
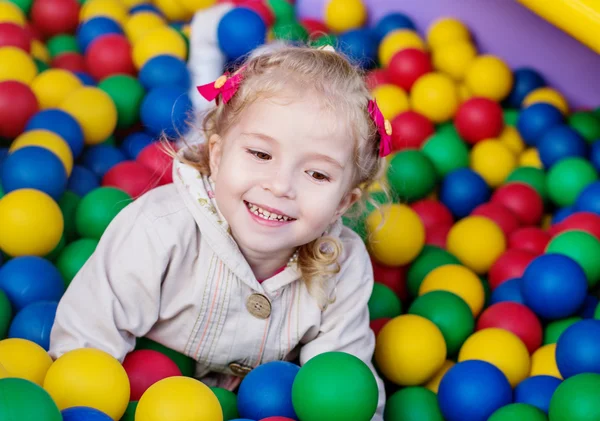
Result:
259,306
239,369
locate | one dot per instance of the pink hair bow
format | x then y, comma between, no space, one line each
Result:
224,85
383,126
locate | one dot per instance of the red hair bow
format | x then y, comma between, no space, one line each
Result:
224,86
384,127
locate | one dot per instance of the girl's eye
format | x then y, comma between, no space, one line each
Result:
318,176
263,156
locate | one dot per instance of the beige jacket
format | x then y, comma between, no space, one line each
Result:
167,268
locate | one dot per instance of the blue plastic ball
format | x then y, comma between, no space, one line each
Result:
166,109
472,390
84,413
88,31
3,155
361,46
34,323
164,70
82,181
562,213
525,81
28,279
61,123
391,22
537,391
508,291
554,286
85,78
240,31
595,155
34,167
267,391
561,142
101,158
578,349
134,143
535,120
588,308
589,199
462,191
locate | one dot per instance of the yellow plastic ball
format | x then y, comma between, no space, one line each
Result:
89,377
48,140
530,158
454,59
173,11
94,110
16,64
39,51
511,138
477,242
501,348
463,93
159,41
543,362
410,349
4,372
52,86
24,359
436,96
195,5
548,96
446,31
10,13
132,3
31,223
391,99
493,161
344,15
459,280
113,9
398,40
489,77
434,383
139,24
400,238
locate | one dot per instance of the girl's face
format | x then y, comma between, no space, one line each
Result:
282,174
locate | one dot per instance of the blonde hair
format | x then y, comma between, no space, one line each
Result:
340,87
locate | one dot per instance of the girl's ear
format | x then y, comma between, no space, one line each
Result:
215,149
351,198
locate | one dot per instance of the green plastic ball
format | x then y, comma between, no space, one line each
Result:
283,10
411,175
413,404
576,399
74,256
68,205
228,401
290,31
586,124
511,116
446,151
24,400
324,40
450,313
383,303
97,209
582,247
186,365
554,329
24,5
335,386
430,258
129,414
5,315
534,177
60,44
518,411
127,93
567,179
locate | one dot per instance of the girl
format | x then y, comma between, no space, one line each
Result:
244,259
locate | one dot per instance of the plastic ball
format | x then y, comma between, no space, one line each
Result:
127,94
16,64
109,55
360,46
73,257
53,17
582,221
400,238
478,119
503,217
537,391
577,349
62,44
47,140
454,59
398,40
445,31
434,383
186,364
526,80
82,181
568,181
432,213
410,130
158,161
576,399
518,411
24,400
240,31
543,362
522,200
415,403
462,191
391,22
164,70
94,110
32,223
24,359
534,177
228,402
545,290
34,323
446,150
160,41
60,123
530,158
344,15
173,10
95,28
113,9
560,142
131,177
52,86
140,23
435,96
411,175
376,77
586,124
146,367
383,303
166,109
549,96
84,413
490,77
407,66
583,248
17,104
511,138
493,161
392,277
508,291
9,12
13,35
391,99
473,391
97,209
431,257
511,264
410,349
134,143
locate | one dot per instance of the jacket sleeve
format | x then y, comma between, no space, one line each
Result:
345,323
115,296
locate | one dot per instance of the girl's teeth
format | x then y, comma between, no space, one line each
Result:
266,214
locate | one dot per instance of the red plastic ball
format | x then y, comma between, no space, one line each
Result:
515,318
437,236
504,217
410,130
109,55
73,62
407,66
146,367
13,35
478,119
378,324
583,221
314,27
18,104
377,77
532,239
511,264
261,9
392,277
53,17
158,161
523,200
130,176
33,32
432,213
